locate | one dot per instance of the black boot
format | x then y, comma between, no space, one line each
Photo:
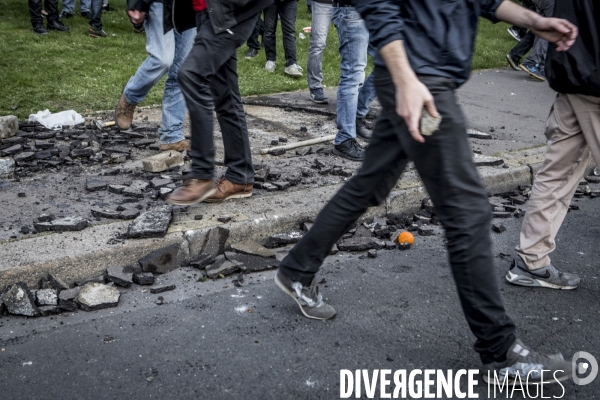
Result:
362,130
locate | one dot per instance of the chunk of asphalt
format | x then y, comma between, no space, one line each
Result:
163,161
95,279
118,189
62,225
251,263
57,283
361,244
498,228
136,189
372,253
203,261
282,239
215,242
224,218
69,294
222,267
120,275
19,300
143,278
424,231
152,223
161,261
46,311
162,289
261,173
127,214
252,248
46,297
96,296
95,184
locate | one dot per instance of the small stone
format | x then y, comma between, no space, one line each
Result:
143,278
7,166
152,223
303,129
372,253
224,219
274,175
203,261
95,184
19,300
198,217
429,123
498,228
163,161
501,214
96,296
423,231
158,183
282,239
162,261
281,185
25,230
261,173
120,276
274,142
118,189
46,297
136,189
9,125
277,152
574,207
162,289
252,248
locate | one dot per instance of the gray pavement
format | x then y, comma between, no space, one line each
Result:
214,341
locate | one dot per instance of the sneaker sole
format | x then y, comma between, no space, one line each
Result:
189,203
512,64
289,293
339,153
527,281
232,196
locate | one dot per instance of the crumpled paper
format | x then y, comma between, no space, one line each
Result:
57,120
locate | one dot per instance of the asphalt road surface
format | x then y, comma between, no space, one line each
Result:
398,311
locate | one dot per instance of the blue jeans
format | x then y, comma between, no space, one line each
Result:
69,6
166,52
366,94
321,18
354,43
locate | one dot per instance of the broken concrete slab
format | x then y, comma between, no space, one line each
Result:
202,261
163,260
136,189
152,223
143,278
163,161
9,125
96,296
486,161
46,297
95,184
157,183
282,239
251,247
118,189
222,267
361,244
215,242
19,300
7,165
69,294
127,214
120,276
196,241
70,224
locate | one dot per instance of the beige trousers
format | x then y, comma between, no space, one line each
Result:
573,131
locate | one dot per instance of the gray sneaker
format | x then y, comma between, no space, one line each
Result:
528,365
548,277
308,298
293,70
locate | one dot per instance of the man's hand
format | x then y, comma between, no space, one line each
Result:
137,17
558,31
410,99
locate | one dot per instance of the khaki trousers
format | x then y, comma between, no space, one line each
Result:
573,132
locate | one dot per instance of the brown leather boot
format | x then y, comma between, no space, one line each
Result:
193,191
228,190
182,145
124,113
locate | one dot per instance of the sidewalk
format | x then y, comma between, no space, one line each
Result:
515,122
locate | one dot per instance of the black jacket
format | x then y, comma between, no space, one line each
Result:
438,35
578,69
224,14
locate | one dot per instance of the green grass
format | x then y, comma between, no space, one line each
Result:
73,71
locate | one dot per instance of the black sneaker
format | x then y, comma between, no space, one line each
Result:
362,130
318,96
66,15
40,30
251,53
515,34
86,14
97,34
350,149
513,62
57,26
548,277
530,366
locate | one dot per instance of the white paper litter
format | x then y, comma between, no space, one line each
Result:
57,120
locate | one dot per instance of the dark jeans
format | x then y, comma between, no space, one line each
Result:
208,79
259,30
96,15
287,13
35,11
524,45
445,165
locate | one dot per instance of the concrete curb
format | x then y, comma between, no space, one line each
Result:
74,256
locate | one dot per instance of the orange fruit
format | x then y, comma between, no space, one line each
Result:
406,238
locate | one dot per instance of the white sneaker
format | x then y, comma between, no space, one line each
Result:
294,70
270,66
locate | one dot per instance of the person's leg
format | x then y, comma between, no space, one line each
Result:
287,14
366,94
85,6
202,68
51,7
354,41
68,7
270,28
571,126
253,41
96,15
321,19
35,13
521,48
173,103
161,52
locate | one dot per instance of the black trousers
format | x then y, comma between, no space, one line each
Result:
259,30
35,11
524,45
287,11
445,165
208,79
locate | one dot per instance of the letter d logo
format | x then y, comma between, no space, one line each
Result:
580,368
